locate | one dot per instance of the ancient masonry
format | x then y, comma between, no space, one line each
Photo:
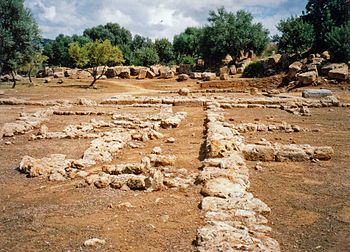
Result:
233,217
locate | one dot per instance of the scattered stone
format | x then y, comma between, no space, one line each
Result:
156,150
184,92
182,77
93,242
170,140
307,78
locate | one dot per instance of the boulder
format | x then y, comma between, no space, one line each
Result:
340,74
58,75
125,73
142,73
167,74
185,68
207,76
222,187
156,69
331,66
307,78
110,72
326,55
184,92
224,76
233,70
195,75
294,68
182,77
224,70
6,78
228,58
240,70
317,93
150,74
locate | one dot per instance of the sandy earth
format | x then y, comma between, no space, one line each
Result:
310,202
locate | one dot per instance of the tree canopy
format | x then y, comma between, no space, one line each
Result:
231,33
187,43
164,50
297,35
20,37
95,54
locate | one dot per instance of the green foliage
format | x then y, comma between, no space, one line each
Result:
164,50
145,56
324,15
19,35
338,40
94,54
254,69
186,59
112,31
57,50
230,33
297,35
139,42
187,43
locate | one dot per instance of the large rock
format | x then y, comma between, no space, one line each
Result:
307,78
294,68
222,187
340,74
110,73
182,77
185,68
224,70
150,74
331,66
317,93
255,152
142,73
167,74
233,70
207,76
184,92
125,73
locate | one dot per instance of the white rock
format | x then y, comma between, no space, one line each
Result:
94,242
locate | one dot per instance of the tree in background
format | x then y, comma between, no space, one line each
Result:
164,50
297,35
145,56
119,36
231,33
338,40
139,41
186,45
57,50
95,54
19,35
35,61
324,15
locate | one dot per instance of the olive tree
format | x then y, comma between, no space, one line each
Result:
19,36
95,54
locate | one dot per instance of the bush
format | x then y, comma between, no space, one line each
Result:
297,35
145,56
255,69
186,59
338,40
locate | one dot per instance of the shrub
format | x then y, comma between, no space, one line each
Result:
145,56
297,35
255,69
338,40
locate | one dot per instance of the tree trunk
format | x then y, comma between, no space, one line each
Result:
13,79
29,75
92,85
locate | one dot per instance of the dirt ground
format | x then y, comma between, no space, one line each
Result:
310,202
